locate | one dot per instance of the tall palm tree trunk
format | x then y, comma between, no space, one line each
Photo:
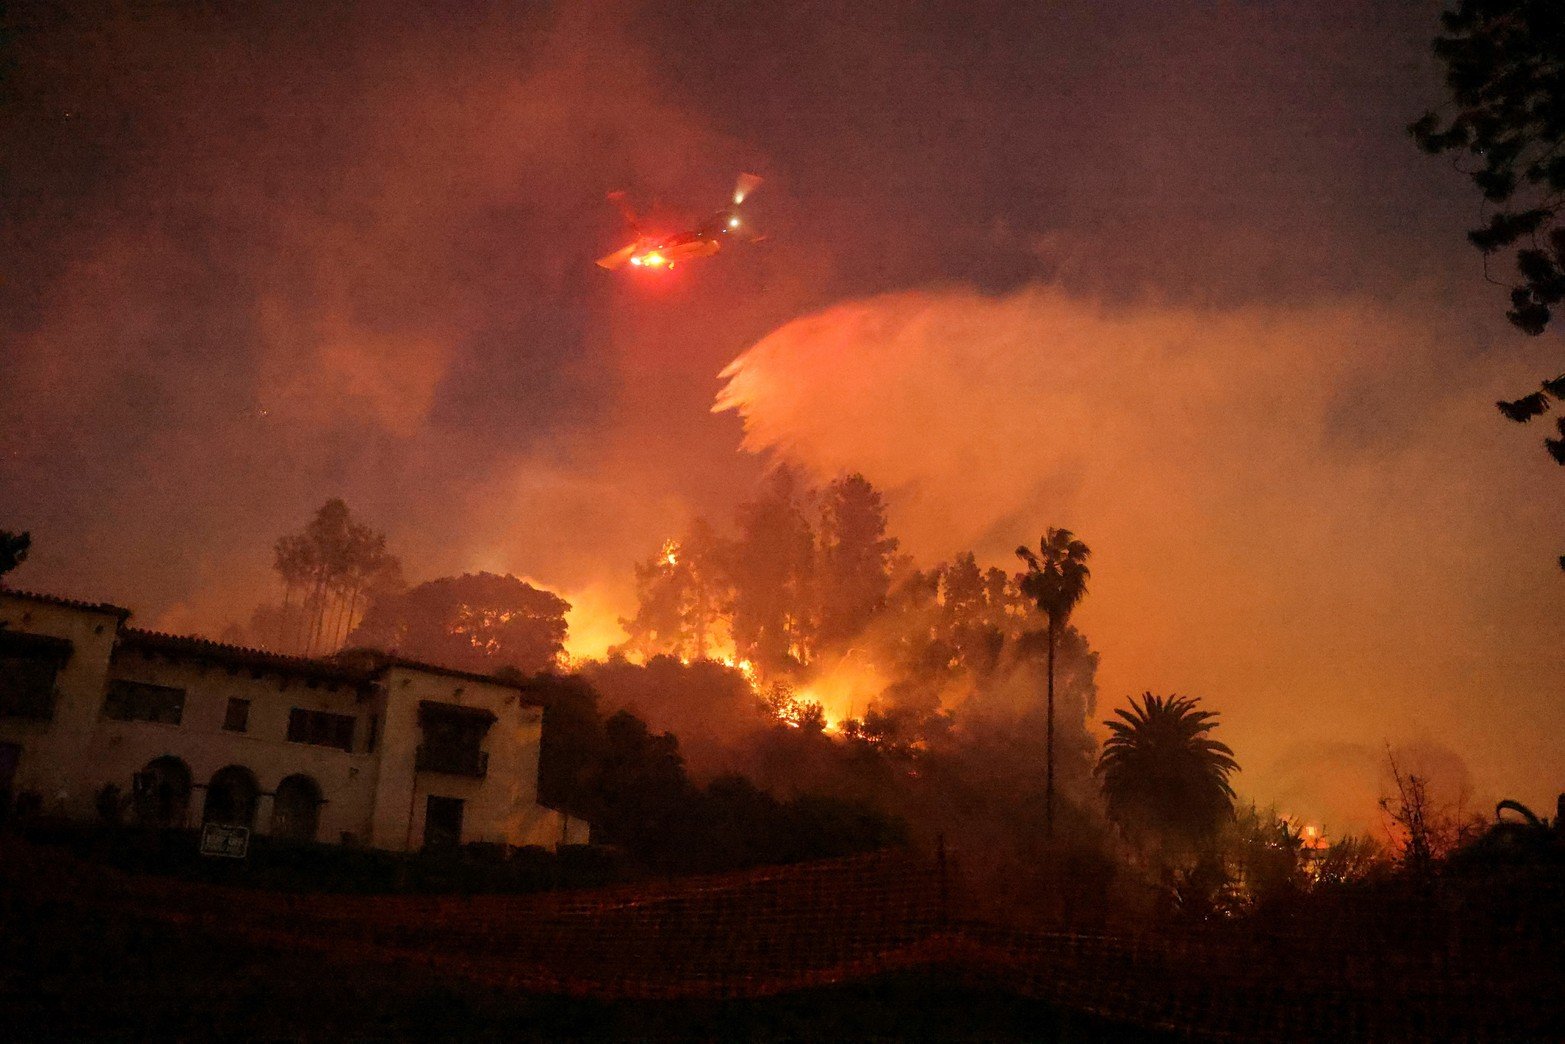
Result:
1048,759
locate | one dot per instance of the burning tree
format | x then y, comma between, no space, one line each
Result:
855,672
772,568
681,592
832,614
855,557
784,704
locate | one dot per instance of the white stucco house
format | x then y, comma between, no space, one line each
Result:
360,747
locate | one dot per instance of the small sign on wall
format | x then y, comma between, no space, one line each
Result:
220,839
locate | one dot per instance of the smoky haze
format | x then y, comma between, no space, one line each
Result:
1172,275
1278,524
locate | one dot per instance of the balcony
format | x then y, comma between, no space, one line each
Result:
453,761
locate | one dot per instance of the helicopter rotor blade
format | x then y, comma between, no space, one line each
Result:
618,258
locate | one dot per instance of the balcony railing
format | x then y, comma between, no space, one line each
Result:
455,761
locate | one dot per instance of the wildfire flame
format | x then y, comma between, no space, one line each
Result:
826,695
744,667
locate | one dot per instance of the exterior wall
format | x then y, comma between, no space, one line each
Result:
51,760
346,780
501,807
391,823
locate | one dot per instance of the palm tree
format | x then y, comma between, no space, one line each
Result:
1056,579
1163,775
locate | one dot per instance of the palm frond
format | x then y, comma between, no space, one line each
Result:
1057,573
1160,769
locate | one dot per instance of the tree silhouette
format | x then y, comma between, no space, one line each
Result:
477,622
640,793
681,592
855,558
695,700
771,566
663,582
333,565
13,550
1503,66
781,589
1163,776
572,743
1505,69
1056,579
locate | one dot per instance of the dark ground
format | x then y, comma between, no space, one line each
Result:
70,974
867,947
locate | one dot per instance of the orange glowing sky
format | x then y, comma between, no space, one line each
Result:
1172,275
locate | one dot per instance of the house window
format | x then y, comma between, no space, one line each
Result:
237,717
28,664
442,822
453,739
138,701
26,688
320,728
373,739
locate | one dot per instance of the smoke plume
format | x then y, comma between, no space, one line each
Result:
1280,501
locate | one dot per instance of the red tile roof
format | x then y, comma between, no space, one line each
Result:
68,603
132,638
351,666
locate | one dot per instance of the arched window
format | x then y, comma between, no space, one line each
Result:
231,797
296,809
161,792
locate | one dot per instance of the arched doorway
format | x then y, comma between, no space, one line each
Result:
161,792
231,797
296,809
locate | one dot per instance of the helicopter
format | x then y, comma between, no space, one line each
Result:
659,252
